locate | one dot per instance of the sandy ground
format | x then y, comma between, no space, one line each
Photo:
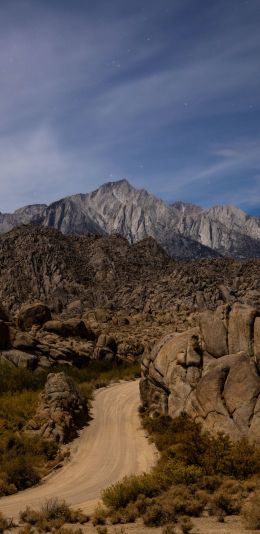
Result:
113,445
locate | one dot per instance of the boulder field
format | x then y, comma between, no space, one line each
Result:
210,372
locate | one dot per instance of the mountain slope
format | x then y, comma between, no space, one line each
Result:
184,230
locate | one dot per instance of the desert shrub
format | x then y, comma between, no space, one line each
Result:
251,511
54,508
16,410
5,523
141,503
121,493
229,497
77,516
30,516
130,513
186,524
102,530
244,459
116,517
52,515
22,459
182,439
183,500
6,489
169,529
196,472
159,514
100,516
20,472
125,515
211,483
176,472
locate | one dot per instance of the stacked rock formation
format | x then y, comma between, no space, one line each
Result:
62,410
210,372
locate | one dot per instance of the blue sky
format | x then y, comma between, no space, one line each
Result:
164,93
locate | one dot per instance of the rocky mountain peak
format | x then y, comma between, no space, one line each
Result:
183,229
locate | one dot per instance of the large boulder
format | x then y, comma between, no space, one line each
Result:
195,372
62,410
78,328
33,314
21,340
55,327
18,358
214,331
240,328
106,348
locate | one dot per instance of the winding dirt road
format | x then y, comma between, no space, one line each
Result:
112,446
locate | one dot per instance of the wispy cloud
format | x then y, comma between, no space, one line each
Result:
143,90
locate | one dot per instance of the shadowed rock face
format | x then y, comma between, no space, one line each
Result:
211,373
62,410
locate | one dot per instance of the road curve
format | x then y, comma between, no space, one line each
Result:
112,446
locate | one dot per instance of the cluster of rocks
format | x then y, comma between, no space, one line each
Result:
61,412
210,372
72,274
36,341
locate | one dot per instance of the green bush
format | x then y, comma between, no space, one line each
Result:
182,440
119,495
196,470
21,473
22,460
176,472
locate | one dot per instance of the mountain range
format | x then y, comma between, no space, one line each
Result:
184,230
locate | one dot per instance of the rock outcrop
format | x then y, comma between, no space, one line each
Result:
184,230
18,358
210,372
33,314
62,410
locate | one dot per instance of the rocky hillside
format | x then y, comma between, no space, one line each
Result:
184,230
86,271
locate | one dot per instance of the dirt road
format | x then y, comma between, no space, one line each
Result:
113,445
